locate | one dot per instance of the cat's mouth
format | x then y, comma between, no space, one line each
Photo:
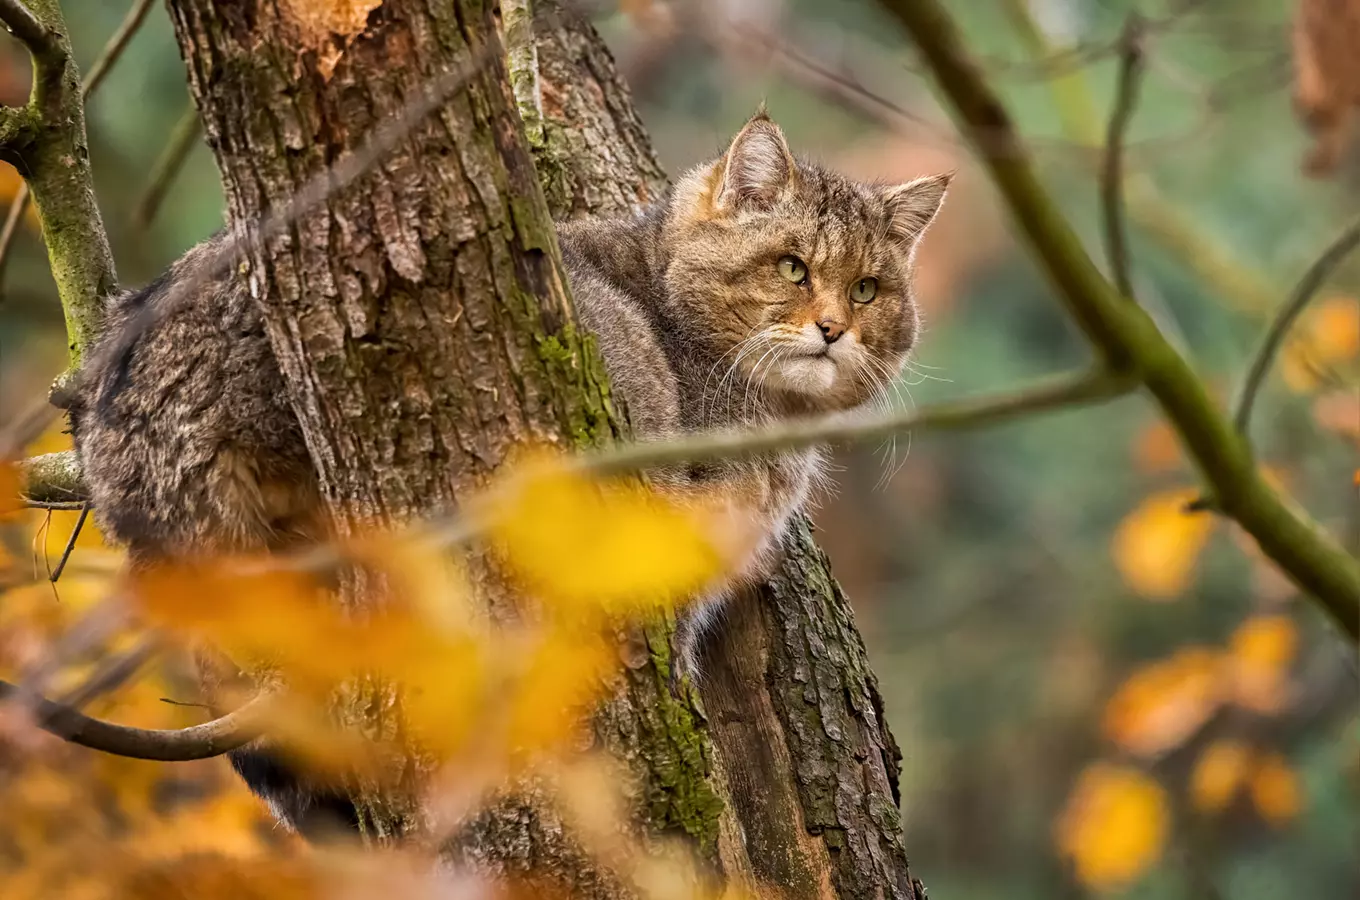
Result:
805,373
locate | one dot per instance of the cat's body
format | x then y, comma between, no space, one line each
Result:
760,289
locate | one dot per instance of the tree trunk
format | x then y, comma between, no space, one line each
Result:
420,322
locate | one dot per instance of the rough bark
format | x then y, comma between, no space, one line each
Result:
423,329
807,766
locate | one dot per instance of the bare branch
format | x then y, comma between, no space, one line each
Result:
163,745
1112,171
113,50
17,207
26,28
1054,394
111,674
1284,319
1127,337
167,166
53,481
70,543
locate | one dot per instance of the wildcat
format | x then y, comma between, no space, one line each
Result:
761,288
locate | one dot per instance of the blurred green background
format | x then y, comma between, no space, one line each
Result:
1002,611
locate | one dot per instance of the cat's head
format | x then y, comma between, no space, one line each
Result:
796,276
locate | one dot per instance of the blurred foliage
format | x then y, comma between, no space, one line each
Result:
1095,691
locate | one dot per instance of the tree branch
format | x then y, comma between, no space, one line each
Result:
1112,170
53,478
1056,393
113,49
26,28
1127,337
1284,319
55,161
1229,277
168,164
162,745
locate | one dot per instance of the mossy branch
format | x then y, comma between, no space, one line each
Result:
1126,336
46,142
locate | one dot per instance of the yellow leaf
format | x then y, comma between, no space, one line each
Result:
588,546
1158,544
1114,825
1260,653
1275,790
1163,704
562,677
1218,773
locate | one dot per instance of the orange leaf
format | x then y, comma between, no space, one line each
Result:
1163,704
1275,790
1334,329
1260,652
1158,544
1219,771
1114,825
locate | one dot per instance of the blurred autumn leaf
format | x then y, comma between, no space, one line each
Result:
603,546
1275,790
1260,652
1219,771
1157,545
1327,335
1164,703
1114,825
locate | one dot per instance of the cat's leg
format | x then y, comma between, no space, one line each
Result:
692,622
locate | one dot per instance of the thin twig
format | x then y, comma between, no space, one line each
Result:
17,207
169,745
1056,393
1284,320
1112,171
25,27
70,543
113,50
111,674
182,140
1126,337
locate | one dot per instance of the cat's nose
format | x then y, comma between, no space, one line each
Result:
831,330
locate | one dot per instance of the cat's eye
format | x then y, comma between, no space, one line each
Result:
791,268
864,290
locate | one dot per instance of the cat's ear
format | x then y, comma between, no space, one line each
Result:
912,206
757,166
